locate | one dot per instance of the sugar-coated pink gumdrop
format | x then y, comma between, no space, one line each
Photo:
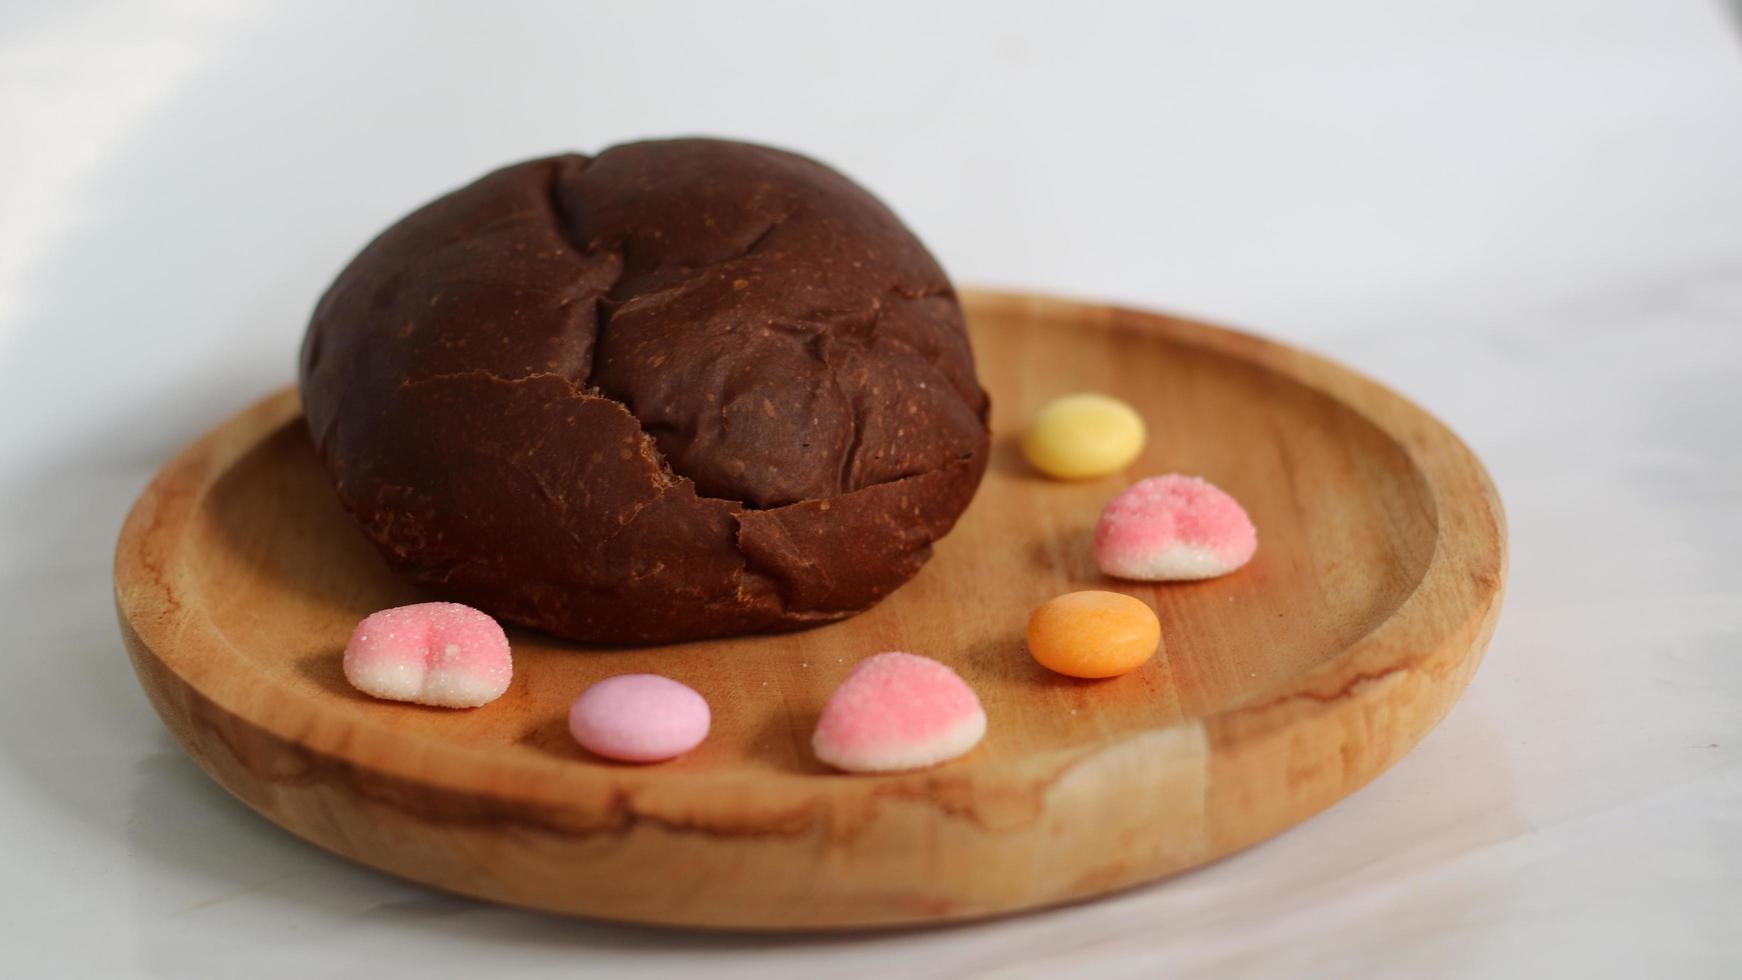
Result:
1173,527
898,711
639,718
439,653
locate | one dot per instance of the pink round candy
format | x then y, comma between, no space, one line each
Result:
898,711
639,718
436,653
1173,528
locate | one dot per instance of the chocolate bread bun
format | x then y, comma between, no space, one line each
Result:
682,389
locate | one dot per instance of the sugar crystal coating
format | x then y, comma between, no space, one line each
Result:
436,653
1173,527
898,711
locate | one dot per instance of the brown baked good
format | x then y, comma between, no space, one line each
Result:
682,389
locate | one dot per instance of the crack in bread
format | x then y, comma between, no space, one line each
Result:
680,389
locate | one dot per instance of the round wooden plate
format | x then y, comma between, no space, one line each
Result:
1280,689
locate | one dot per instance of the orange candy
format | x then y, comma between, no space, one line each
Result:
1093,634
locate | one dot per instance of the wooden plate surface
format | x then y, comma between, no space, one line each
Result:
1281,688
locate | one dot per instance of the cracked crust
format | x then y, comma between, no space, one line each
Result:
682,389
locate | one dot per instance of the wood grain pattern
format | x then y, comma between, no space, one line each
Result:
1281,688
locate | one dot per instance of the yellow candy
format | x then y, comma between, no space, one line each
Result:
1080,436
1093,634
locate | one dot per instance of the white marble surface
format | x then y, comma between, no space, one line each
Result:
1526,215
